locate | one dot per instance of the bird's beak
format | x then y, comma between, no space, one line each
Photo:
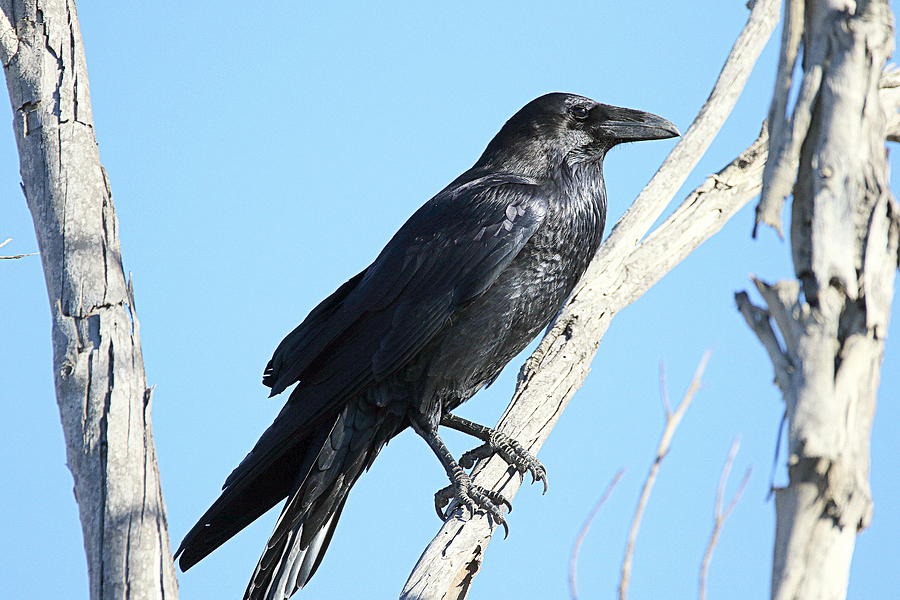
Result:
628,125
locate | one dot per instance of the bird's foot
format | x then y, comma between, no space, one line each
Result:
473,497
512,452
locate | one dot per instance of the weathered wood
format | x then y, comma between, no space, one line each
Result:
783,133
833,320
625,267
103,398
890,96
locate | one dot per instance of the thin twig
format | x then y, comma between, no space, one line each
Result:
582,533
14,256
722,512
664,388
672,421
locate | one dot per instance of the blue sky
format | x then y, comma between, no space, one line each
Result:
260,156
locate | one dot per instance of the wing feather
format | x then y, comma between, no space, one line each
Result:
450,251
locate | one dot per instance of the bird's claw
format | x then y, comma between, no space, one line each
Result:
513,453
472,497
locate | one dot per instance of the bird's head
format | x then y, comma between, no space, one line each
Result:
558,127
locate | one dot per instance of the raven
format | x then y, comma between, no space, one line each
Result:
464,285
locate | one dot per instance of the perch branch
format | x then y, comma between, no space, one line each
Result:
559,365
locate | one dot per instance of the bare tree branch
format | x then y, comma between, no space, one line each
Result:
14,256
625,266
758,320
101,388
582,533
673,419
722,512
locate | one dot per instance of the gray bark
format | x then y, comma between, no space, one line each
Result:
833,319
627,264
101,389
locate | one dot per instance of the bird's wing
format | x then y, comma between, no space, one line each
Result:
295,352
450,251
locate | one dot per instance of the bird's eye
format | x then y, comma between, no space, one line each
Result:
580,112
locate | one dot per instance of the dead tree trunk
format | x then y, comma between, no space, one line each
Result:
829,152
101,388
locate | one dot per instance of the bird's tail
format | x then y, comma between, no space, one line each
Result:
291,557
308,520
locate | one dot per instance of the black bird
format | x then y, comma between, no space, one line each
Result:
459,290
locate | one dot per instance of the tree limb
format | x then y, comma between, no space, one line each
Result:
101,388
558,367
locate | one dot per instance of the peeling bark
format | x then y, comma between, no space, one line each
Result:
101,388
833,319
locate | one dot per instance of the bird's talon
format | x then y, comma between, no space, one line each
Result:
442,499
520,460
472,498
